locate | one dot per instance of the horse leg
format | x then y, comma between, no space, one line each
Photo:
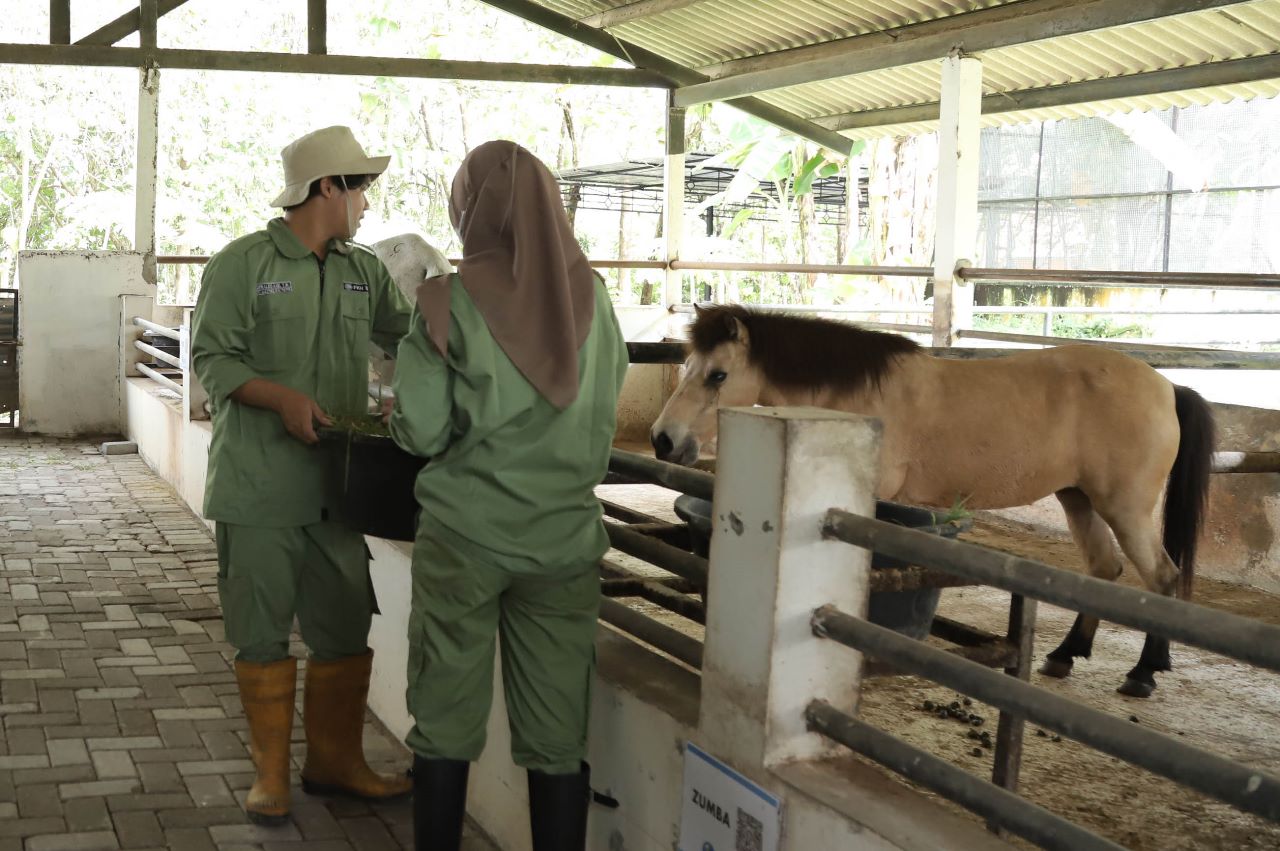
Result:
1139,538
1101,560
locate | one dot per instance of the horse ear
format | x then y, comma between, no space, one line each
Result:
735,329
699,311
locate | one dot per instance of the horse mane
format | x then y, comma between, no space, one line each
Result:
803,352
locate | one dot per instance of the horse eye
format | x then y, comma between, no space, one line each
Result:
717,377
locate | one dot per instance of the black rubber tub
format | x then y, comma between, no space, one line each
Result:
376,479
907,612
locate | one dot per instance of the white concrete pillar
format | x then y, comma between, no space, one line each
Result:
957,228
673,202
144,229
779,471
130,357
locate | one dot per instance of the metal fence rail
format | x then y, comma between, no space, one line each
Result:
683,479
156,328
683,647
681,563
1231,635
1249,789
163,357
1095,278
162,380
999,806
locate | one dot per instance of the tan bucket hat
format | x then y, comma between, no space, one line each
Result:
323,153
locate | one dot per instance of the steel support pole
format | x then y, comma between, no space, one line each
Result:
957,210
144,235
673,203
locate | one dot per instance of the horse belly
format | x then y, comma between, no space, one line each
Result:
999,469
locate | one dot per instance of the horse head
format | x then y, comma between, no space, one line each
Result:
717,374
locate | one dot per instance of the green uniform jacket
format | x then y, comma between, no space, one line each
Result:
511,477
269,309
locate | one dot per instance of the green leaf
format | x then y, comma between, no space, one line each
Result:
739,220
804,178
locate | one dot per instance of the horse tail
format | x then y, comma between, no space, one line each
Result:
1188,489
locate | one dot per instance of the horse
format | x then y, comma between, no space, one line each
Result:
1103,432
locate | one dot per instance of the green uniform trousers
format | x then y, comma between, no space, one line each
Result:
547,624
320,573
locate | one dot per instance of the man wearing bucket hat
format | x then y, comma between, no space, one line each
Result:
281,336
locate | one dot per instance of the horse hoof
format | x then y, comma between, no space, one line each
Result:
1056,669
1136,688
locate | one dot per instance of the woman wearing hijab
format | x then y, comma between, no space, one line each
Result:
508,380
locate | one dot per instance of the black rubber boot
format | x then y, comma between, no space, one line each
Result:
558,810
439,803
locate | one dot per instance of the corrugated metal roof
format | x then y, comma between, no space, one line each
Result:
712,32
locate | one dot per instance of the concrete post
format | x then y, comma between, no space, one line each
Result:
778,472
957,230
144,235
673,202
130,357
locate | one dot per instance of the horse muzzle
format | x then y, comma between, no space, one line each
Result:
683,452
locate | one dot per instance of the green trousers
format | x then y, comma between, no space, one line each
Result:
547,625
320,573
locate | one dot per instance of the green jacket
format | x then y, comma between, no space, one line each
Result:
266,311
511,477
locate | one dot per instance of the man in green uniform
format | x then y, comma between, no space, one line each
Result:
281,342
509,380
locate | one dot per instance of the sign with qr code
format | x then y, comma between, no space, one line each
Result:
722,810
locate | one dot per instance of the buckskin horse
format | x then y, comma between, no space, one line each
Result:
1103,432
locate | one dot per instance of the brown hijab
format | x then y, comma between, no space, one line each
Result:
521,266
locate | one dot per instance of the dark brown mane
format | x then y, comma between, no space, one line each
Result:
802,351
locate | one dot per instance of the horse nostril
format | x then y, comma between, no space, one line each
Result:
662,444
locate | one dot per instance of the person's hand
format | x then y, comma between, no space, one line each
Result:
299,413
388,405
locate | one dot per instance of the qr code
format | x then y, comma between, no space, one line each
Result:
750,833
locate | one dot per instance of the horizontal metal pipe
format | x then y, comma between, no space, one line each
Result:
1038,339
1001,310
162,380
673,476
196,259
675,353
658,594
665,556
999,806
1249,789
1231,635
163,357
1089,277
683,647
156,328
1246,462
804,268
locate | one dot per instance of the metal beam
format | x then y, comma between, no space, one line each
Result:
59,21
629,12
1227,73
302,63
148,15
676,73
317,27
127,24
986,29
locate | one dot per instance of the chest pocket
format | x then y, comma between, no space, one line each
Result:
355,323
280,338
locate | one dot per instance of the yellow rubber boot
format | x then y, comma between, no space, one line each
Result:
267,692
333,714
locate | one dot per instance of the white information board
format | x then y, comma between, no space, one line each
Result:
722,810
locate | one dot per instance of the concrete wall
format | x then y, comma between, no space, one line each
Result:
70,329
1241,542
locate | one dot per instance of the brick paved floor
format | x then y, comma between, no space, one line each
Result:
122,728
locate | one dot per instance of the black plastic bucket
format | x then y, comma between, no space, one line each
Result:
376,480
907,612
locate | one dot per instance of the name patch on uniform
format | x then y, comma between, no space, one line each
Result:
275,287
355,287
